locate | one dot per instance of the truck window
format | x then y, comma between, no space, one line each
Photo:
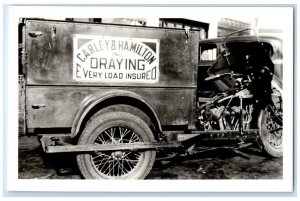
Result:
208,52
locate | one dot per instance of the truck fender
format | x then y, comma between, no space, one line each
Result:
93,101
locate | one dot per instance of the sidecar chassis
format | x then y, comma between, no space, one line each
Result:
62,143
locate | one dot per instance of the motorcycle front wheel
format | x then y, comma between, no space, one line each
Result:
270,130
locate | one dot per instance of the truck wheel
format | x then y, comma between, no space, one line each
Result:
270,133
116,128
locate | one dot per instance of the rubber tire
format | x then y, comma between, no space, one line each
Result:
97,124
266,147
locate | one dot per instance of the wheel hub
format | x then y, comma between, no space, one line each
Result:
116,163
117,155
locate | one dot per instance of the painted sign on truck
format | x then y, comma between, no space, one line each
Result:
115,59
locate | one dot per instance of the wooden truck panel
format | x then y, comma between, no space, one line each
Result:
58,81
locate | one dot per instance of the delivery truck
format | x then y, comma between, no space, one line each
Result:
122,97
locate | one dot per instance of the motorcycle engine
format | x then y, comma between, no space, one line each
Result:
220,118
212,114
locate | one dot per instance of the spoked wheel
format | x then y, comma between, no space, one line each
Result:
271,126
116,128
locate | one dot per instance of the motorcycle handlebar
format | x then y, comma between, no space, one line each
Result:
214,77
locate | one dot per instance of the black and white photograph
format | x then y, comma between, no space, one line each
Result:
118,97
171,97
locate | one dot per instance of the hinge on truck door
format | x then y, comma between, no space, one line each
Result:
23,57
22,109
187,33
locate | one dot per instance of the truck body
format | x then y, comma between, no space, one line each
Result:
71,67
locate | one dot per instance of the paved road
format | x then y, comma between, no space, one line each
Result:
217,164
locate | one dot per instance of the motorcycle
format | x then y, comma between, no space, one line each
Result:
249,97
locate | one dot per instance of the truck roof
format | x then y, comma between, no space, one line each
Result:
251,38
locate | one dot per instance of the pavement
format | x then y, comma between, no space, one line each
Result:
247,163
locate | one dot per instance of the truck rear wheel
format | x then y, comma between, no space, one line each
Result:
116,128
